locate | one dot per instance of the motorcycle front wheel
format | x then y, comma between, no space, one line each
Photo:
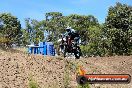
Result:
77,53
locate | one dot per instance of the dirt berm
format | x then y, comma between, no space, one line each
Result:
18,70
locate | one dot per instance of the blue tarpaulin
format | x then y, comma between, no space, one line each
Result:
44,48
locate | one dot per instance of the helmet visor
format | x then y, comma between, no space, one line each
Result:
68,30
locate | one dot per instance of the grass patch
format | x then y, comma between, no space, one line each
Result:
83,86
66,76
32,83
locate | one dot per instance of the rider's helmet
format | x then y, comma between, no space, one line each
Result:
73,31
68,29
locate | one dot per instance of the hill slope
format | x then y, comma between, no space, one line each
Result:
18,68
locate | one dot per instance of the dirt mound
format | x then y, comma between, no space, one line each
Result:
17,69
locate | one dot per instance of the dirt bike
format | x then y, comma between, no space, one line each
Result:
70,46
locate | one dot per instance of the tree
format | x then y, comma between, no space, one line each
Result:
10,28
82,24
34,32
118,26
120,17
38,31
95,46
55,24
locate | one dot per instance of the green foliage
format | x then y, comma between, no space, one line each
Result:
119,41
32,83
4,40
118,29
94,46
55,24
84,86
119,17
113,37
10,28
66,75
82,23
33,33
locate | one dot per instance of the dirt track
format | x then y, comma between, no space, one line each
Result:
17,68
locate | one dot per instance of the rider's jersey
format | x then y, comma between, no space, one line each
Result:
73,36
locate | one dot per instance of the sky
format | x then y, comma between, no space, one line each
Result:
36,9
